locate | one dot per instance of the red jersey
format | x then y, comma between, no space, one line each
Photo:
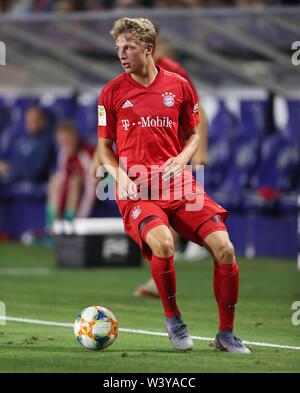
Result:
171,65
144,121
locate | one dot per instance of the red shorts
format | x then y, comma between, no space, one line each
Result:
194,225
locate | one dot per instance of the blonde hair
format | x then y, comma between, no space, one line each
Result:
141,29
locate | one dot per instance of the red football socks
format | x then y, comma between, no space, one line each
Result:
163,274
226,286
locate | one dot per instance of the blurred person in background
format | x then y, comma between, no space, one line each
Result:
71,191
31,154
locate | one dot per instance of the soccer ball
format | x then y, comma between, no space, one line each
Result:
96,327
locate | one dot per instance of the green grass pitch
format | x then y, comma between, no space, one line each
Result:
267,290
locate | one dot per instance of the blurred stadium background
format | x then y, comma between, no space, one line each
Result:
59,54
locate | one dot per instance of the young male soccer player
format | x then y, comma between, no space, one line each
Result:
148,289
141,111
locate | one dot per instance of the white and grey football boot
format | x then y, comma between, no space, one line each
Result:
178,334
225,341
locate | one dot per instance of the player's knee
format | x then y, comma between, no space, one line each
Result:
164,247
225,252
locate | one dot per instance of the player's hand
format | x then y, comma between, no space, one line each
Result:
172,167
127,188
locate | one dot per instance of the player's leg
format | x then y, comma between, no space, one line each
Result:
226,276
160,241
149,289
226,286
206,228
148,224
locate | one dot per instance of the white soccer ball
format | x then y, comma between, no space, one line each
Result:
96,327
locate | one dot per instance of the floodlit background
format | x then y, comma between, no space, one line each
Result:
242,60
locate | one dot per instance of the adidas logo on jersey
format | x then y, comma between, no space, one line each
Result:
127,104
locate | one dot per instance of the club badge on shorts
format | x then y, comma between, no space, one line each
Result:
136,212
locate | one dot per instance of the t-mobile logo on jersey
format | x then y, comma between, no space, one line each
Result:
125,124
155,121
148,121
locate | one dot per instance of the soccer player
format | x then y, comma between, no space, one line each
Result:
148,289
140,111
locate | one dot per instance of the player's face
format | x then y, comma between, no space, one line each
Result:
132,54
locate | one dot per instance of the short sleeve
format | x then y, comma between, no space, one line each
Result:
106,116
189,114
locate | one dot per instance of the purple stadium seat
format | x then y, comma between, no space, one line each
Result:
232,189
253,118
223,129
277,173
22,207
86,118
4,114
59,108
292,129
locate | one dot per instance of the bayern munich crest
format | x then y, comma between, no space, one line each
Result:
168,99
136,212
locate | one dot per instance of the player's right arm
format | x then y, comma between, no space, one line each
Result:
126,187
107,126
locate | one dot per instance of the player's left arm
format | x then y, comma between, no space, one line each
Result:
174,165
188,119
200,157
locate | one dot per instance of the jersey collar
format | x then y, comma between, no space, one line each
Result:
139,85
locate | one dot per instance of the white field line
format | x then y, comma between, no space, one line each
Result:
147,332
16,271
